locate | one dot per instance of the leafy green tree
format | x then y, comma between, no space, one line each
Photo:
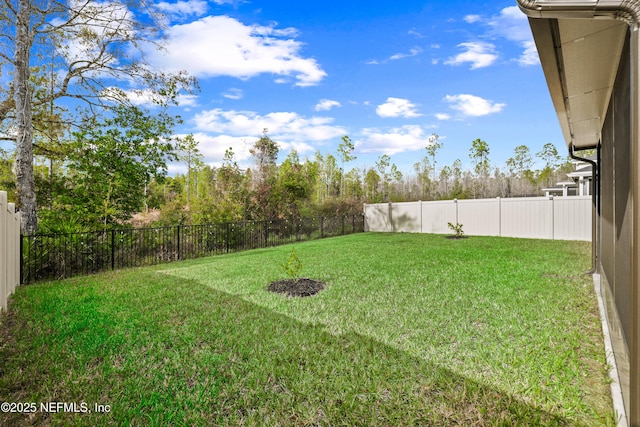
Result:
423,172
295,185
551,158
445,175
7,181
382,164
262,199
520,167
328,184
372,183
189,153
115,158
479,155
345,150
433,146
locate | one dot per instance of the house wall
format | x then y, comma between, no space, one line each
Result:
615,222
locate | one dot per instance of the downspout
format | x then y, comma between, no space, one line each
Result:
595,180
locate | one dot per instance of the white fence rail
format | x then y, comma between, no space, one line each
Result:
559,218
9,249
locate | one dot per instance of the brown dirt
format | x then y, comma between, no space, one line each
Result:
301,287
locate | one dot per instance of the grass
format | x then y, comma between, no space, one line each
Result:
409,330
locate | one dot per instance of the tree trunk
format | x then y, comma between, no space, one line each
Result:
24,149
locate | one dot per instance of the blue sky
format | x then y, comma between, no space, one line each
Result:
388,74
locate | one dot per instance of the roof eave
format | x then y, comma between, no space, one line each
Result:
546,17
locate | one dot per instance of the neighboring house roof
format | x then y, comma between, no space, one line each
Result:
582,169
580,58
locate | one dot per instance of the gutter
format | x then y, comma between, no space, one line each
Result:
624,10
595,180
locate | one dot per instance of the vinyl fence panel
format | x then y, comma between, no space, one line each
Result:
377,217
480,217
437,215
560,218
527,217
9,249
572,218
406,217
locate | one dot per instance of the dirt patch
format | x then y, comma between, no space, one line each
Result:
301,287
456,237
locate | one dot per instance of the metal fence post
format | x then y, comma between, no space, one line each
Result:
178,242
113,249
226,236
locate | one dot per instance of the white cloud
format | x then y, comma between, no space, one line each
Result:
397,107
187,100
393,141
327,104
412,52
233,93
511,24
223,46
183,9
529,55
479,54
470,19
443,116
146,97
471,105
283,127
214,147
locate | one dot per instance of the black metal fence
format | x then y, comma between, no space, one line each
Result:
56,256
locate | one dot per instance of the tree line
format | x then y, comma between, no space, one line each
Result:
116,170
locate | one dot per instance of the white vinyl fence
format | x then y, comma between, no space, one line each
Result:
9,249
556,218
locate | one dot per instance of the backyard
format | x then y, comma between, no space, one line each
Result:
410,329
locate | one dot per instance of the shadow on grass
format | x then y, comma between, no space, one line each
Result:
169,351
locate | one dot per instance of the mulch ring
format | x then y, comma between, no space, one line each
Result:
301,287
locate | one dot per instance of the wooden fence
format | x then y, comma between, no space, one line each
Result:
9,249
556,218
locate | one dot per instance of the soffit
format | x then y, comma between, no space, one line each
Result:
580,59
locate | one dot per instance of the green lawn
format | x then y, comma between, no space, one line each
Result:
410,330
